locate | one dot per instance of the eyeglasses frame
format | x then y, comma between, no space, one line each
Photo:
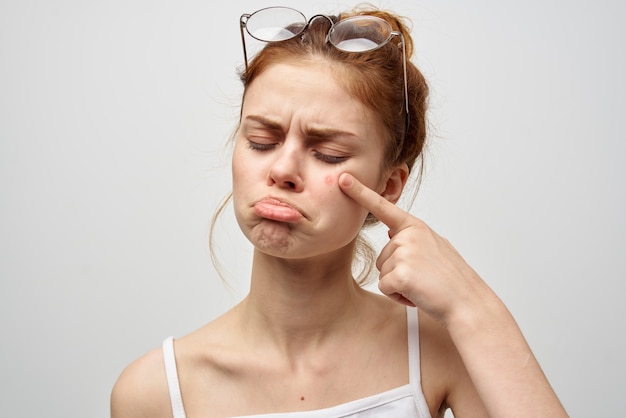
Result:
243,19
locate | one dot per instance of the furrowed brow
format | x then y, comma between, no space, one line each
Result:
267,123
327,134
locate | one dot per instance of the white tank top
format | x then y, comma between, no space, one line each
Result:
405,401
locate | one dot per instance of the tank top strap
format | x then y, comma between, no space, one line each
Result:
415,375
171,372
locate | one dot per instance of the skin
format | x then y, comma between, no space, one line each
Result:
306,172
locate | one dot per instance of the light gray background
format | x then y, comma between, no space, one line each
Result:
113,120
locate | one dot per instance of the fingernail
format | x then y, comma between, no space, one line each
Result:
346,180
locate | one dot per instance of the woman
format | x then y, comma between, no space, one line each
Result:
332,125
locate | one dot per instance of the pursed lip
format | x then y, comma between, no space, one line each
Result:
278,209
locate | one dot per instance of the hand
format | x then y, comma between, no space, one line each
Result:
417,266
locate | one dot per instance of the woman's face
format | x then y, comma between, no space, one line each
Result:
299,131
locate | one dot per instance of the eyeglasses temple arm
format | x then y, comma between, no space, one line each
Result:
242,24
406,87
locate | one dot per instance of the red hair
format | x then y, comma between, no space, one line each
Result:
375,78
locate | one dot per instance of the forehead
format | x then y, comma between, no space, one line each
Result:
310,93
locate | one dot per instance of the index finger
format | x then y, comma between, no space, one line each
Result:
385,211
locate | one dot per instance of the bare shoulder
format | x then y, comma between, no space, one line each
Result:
141,389
445,380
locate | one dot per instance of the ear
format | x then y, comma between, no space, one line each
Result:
396,179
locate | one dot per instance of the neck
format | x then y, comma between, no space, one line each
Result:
301,303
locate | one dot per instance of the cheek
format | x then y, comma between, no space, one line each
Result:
235,176
244,167
343,207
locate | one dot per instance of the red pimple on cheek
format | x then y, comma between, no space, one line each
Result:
329,180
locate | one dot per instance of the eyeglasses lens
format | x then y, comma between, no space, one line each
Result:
275,24
360,34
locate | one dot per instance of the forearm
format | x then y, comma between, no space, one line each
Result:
502,367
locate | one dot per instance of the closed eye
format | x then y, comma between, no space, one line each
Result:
330,159
257,146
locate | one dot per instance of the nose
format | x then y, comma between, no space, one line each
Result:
285,171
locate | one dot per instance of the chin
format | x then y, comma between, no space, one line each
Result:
270,237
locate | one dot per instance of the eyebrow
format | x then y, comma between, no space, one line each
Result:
267,123
328,134
317,133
